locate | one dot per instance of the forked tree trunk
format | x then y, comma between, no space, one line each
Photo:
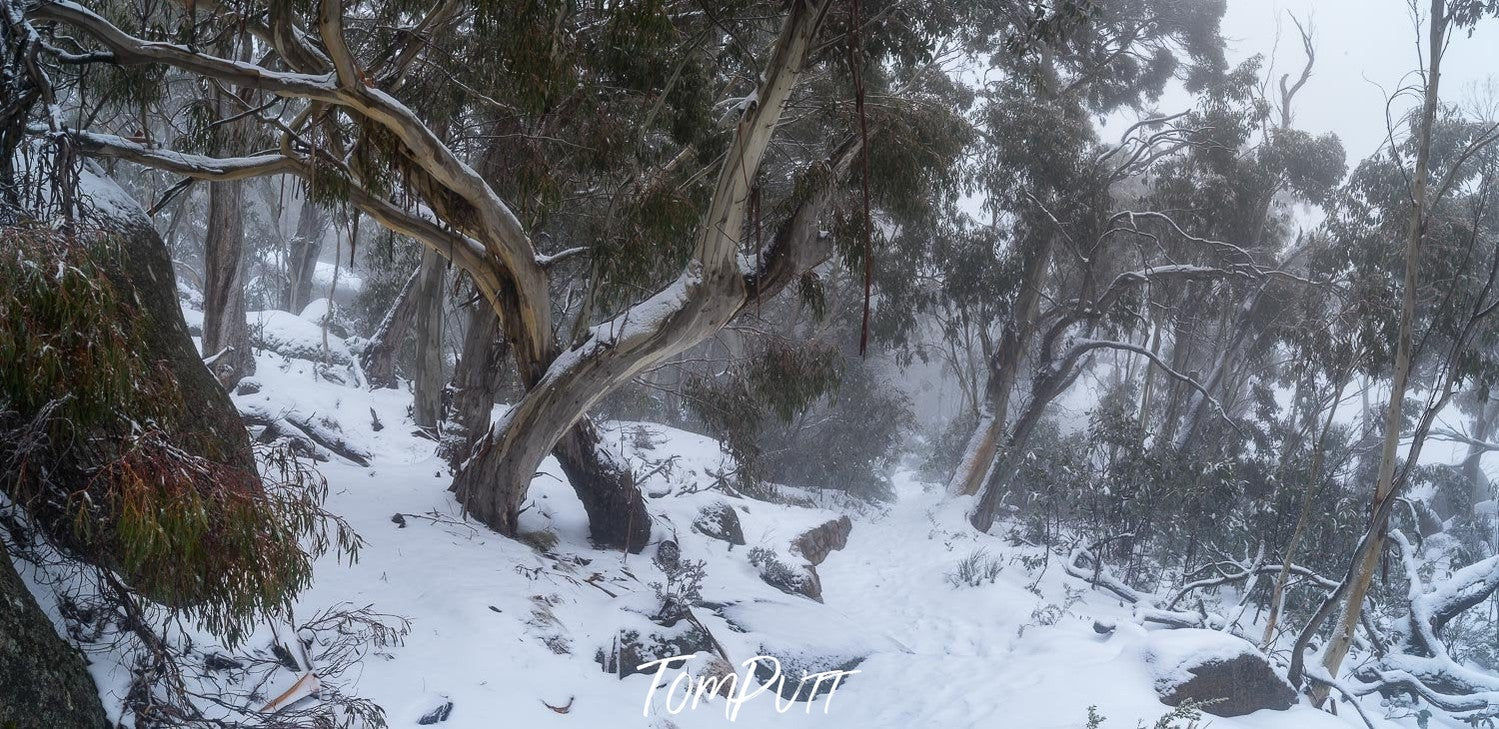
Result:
983,446
477,378
302,256
379,356
426,374
226,335
1047,388
710,291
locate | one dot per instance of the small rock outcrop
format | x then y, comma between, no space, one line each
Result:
437,715
1226,674
824,640
790,578
817,543
719,521
631,648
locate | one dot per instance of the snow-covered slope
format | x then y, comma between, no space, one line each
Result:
510,634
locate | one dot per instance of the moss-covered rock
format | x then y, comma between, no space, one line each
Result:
124,449
43,681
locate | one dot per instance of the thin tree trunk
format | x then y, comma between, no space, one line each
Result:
226,335
1367,560
1183,330
1155,348
301,260
427,375
1277,594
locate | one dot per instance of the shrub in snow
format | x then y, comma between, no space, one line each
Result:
683,588
978,568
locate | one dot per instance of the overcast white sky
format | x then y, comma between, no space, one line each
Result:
1362,45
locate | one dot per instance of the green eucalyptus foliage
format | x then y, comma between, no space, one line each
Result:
777,383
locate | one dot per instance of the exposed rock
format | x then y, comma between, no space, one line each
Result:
439,714
43,682
1226,674
815,544
792,579
790,684
822,640
668,556
719,521
631,649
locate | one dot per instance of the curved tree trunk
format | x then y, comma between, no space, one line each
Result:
1367,559
983,447
480,233
707,295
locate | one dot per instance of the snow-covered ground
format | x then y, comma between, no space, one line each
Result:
510,634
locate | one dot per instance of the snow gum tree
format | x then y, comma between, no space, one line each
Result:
597,174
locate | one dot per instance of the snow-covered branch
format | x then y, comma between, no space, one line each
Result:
1081,347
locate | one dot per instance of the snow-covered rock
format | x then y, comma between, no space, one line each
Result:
719,521
293,336
1225,673
805,638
